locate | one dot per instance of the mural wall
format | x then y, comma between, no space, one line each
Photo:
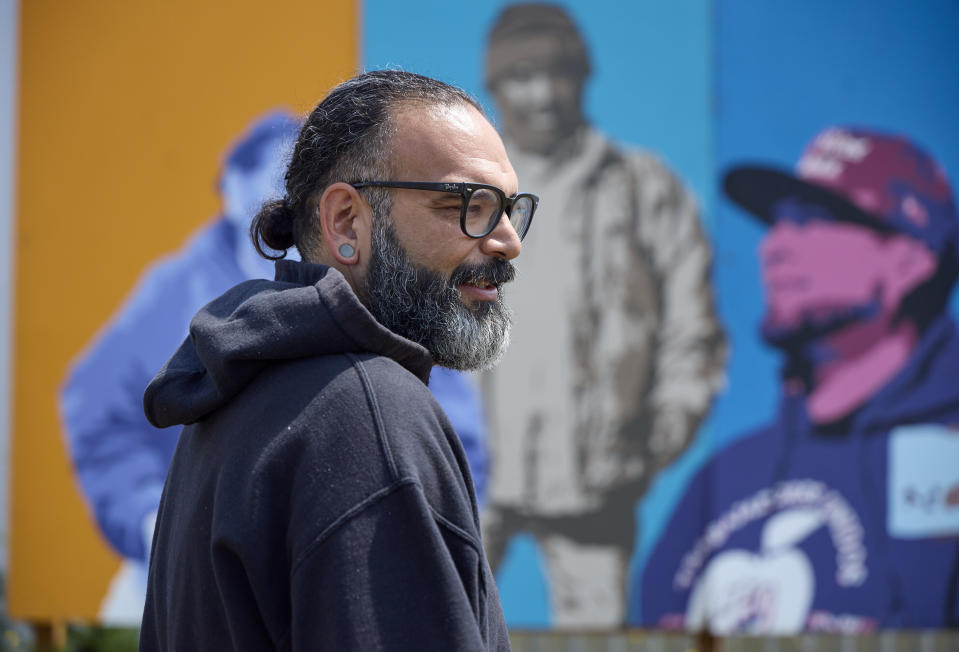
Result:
730,401
125,113
836,254
687,282
840,515
120,459
613,369
607,379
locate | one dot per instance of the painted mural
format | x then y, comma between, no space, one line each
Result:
731,400
142,172
120,459
609,376
728,403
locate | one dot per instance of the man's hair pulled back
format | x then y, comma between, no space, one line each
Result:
346,138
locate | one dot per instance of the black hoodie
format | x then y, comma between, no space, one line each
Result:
318,498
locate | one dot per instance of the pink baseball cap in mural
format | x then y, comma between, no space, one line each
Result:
878,180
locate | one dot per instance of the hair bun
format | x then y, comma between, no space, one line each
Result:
273,227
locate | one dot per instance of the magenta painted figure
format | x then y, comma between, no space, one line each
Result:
837,516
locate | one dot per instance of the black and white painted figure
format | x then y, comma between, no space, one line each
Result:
618,354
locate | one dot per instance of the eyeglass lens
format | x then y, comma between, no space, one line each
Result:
485,208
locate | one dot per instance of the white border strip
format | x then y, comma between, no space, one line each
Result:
9,97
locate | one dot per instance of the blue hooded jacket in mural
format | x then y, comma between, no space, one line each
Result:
850,528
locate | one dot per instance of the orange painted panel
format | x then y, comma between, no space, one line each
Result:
125,110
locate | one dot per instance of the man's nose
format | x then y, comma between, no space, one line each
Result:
503,241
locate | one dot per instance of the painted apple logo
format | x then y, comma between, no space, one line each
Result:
769,592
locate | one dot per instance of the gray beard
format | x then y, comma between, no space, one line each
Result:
422,306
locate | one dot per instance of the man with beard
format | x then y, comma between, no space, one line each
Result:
840,516
119,458
612,373
318,497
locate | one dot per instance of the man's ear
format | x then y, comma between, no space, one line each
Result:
344,219
911,264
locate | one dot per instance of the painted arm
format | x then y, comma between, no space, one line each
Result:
691,349
460,400
119,458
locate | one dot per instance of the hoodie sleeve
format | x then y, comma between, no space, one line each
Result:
394,576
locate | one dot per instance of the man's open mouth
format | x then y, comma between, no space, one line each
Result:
481,282
478,290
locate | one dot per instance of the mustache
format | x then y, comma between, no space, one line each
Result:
495,272
812,327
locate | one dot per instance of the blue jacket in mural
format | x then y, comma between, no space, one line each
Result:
848,529
120,459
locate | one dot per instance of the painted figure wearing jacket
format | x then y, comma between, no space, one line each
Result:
841,515
609,376
843,529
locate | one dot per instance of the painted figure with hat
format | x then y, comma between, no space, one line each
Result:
616,359
843,514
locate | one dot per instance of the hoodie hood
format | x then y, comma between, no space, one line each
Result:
309,310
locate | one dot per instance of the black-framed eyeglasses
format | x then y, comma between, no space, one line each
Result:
482,205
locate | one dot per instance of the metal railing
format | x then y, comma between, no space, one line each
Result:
650,641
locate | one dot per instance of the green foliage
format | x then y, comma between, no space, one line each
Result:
14,638
90,638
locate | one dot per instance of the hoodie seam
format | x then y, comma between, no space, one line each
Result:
365,504
374,408
332,528
346,517
454,528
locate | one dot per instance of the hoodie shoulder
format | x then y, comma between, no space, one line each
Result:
309,311
418,440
